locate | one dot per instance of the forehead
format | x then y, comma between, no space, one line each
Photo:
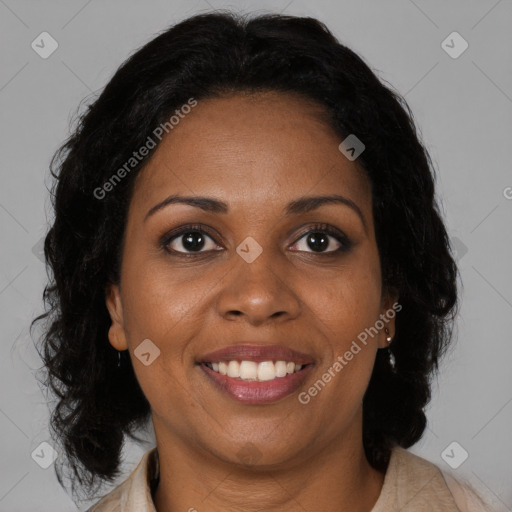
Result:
263,148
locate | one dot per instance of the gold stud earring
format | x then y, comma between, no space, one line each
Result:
391,356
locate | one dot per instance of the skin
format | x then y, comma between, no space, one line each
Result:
256,153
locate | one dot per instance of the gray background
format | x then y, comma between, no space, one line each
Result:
462,105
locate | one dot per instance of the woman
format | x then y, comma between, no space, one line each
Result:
247,251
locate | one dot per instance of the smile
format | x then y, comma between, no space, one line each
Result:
252,371
256,383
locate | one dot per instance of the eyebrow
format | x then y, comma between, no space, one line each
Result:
301,205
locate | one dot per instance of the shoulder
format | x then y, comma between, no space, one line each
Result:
413,483
467,498
134,493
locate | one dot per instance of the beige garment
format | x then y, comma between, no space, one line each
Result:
411,484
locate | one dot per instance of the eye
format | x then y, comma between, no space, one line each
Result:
321,239
194,240
189,240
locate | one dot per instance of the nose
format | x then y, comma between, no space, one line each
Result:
259,291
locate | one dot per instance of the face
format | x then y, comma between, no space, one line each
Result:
253,271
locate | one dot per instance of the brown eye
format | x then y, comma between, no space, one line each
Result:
190,240
322,239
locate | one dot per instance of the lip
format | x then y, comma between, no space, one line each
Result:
256,353
252,392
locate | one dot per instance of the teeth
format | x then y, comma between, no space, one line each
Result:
248,370
234,369
281,368
251,371
266,371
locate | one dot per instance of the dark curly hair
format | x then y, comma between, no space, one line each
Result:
209,55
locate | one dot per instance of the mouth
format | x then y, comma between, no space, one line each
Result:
251,371
256,374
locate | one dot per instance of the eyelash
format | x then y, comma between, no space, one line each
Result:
340,237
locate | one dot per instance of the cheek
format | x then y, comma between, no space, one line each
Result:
344,309
168,308
349,301
157,299
162,309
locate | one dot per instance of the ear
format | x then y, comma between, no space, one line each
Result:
389,309
116,333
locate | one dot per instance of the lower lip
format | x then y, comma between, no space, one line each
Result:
258,392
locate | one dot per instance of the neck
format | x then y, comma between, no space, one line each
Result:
337,477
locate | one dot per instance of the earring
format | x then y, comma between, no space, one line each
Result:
391,356
118,359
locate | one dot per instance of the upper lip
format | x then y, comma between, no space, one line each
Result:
256,353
